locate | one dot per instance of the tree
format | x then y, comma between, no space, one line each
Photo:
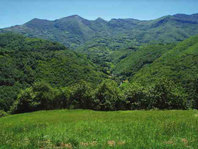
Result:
40,96
81,95
136,97
62,99
107,96
44,94
25,102
168,95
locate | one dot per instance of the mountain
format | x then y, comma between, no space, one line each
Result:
179,64
139,58
139,53
24,61
74,31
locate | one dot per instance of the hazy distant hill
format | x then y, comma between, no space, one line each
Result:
74,30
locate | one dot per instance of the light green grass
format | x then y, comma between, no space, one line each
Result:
91,129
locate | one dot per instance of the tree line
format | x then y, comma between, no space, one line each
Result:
107,96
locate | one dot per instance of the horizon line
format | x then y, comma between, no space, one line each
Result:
76,15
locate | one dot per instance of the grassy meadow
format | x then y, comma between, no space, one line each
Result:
92,129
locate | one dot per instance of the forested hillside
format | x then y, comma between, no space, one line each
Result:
24,61
179,64
142,56
74,31
38,74
121,64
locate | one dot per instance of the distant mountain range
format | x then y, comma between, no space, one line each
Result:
74,31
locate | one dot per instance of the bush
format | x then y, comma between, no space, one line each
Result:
40,96
136,97
45,95
107,96
3,113
25,102
192,90
168,95
62,98
82,96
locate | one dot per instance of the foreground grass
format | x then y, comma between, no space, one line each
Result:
90,129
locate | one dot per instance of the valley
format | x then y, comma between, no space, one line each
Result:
98,74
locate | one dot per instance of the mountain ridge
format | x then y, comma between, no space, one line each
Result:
73,31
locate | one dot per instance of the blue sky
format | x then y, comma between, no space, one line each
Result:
16,12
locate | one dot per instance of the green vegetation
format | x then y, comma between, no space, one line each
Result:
74,31
42,75
106,97
178,64
139,58
24,61
2,113
90,129
122,64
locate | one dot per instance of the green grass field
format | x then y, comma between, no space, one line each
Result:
91,129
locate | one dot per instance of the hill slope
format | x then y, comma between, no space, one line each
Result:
24,61
74,31
144,55
179,64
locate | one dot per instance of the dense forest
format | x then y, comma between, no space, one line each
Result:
24,61
38,74
122,64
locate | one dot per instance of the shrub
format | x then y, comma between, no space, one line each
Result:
82,95
107,96
44,94
168,95
62,98
40,96
3,113
136,97
25,102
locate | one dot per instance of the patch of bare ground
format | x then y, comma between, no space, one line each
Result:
169,142
121,142
196,115
94,143
113,143
47,145
185,141
64,146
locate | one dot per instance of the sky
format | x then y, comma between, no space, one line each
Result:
17,12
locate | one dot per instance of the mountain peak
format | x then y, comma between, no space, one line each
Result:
73,17
99,19
37,22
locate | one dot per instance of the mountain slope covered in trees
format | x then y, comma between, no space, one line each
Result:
143,55
113,65
179,64
41,75
74,31
24,61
